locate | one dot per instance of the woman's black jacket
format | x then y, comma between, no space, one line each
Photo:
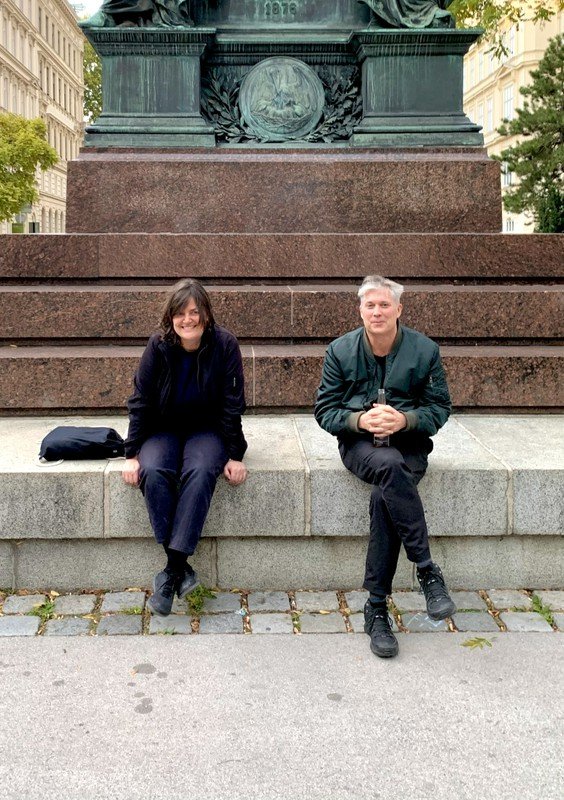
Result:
220,379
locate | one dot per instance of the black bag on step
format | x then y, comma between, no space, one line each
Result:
67,442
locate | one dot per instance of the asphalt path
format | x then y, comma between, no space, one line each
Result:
281,717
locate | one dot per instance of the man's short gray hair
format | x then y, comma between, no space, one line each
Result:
372,282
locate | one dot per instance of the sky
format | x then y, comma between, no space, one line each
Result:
90,6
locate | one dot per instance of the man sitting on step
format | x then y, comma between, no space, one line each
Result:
383,394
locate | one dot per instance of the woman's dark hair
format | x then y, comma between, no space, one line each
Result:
180,294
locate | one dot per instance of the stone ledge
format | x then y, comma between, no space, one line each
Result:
304,311
277,376
281,256
488,477
319,563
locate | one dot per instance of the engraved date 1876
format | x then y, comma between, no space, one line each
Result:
278,10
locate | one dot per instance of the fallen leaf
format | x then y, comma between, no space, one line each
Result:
478,642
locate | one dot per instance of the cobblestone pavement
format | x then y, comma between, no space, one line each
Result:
125,613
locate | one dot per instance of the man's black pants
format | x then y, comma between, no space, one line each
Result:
396,511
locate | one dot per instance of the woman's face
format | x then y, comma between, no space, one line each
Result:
188,326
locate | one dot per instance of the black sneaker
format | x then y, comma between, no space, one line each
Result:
188,582
439,602
164,587
378,625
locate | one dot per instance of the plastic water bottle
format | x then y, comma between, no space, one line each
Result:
381,441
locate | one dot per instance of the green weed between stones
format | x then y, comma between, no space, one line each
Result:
544,611
166,632
132,610
197,598
46,611
477,643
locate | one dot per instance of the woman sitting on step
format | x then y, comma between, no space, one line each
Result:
184,430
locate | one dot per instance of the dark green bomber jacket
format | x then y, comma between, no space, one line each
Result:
414,381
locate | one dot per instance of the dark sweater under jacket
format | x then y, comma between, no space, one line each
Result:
219,376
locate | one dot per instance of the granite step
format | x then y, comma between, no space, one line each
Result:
279,256
277,376
294,311
492,496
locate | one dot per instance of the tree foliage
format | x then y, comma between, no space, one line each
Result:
538,160
92,83
494,15
23,148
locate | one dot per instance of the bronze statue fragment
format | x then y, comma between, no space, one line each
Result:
411,13
140,13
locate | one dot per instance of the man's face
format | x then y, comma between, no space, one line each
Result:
380,313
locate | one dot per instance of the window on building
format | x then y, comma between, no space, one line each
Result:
489,114
508,101
471,73
491,60
480,65
509,225
506,176
480,115
511,41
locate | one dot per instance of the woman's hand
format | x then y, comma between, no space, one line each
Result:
235,472
130,472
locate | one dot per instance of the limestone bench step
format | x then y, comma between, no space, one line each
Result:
302,311
493,497
280,256
277,376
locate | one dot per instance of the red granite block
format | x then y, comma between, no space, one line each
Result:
334,257
284,191
53,255
441,312
39,378
35,379
479,377
286,376
134,311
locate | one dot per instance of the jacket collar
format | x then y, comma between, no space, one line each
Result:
395,346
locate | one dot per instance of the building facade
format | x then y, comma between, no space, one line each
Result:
491,90
41,50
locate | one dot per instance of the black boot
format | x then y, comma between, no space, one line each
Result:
164,587
439,602
188,582
378,625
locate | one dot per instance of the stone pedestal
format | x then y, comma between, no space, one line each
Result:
150,88
412,89
259,191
